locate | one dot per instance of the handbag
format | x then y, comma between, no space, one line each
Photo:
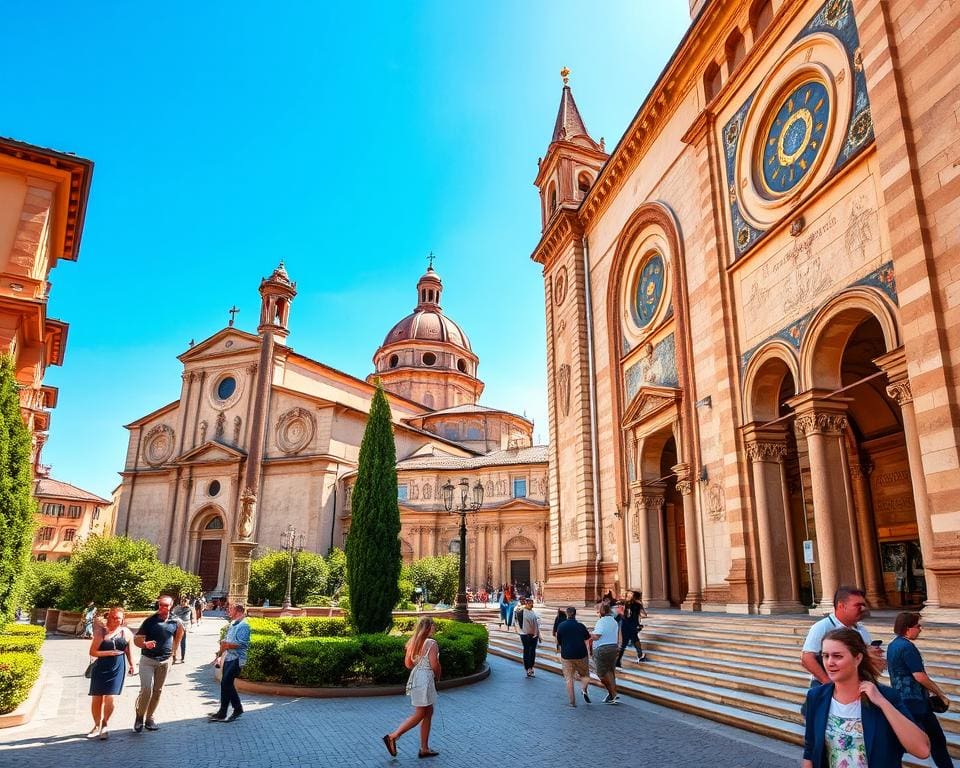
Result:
937,704
88,673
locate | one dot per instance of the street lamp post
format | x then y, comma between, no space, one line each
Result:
290,544
460,611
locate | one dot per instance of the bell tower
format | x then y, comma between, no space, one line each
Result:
573,159
276,294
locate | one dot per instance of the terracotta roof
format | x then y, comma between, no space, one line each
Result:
536,454
569,123
47,486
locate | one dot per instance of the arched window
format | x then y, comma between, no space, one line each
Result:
712,80
394,361
735,49
760,17
215,524
583,184
553,199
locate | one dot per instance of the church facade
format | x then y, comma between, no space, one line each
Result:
263,438
753,324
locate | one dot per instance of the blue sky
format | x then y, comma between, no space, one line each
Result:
348,142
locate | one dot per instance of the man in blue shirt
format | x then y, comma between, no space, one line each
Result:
575,644
233,655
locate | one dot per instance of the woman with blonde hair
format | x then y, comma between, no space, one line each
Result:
853,721
111,642
422,658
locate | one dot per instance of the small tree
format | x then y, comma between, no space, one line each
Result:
17,505
268,577
44,584
439,575
373,545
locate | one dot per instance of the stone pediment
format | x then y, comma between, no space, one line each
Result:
211,452
650,402
228,341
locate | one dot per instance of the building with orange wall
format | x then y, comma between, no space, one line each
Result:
67,515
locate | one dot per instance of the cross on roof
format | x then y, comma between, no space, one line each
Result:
233,314
430,258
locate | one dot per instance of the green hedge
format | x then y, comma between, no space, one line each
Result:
333,626
20,643
320,651
18,673
24,629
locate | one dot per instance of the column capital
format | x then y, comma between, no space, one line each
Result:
820,412
861,470
759,450
822,423
901,392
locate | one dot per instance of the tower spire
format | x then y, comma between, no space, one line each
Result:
569,124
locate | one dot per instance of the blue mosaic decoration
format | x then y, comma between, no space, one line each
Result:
795,138
882,279
649,290
835,18
658,369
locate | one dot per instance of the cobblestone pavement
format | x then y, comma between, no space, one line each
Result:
504,720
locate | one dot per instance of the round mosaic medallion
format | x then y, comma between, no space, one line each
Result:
649,290
795,137
159,445
295,430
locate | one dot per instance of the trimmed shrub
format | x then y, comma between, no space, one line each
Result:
24,629
264,658
270,627
324,626
383,658
18,673
20,643
315,661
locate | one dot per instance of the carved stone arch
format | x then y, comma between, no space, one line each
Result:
821,351
649,214
205,514
763,379
519,543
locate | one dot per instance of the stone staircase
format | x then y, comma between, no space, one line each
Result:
743,671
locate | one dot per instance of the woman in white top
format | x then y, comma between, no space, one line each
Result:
423,660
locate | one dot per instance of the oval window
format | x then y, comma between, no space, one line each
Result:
429,358
226,387
394,361
462,365
214,488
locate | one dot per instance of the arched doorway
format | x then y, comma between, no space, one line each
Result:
868,505
673,541
521,556
208,535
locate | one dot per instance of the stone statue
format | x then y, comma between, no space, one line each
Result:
248,506
237,422
221,421
203,431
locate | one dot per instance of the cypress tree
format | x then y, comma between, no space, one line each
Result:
17,505
373,544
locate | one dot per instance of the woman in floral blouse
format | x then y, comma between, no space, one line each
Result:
852,722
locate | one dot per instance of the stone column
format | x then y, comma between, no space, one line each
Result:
767,449
497,555
866,528
691,528
894,364
823,422
647,503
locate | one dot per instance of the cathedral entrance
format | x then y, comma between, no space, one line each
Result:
209,567
520,573
674,540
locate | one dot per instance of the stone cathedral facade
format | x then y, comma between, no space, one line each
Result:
753,317
263,437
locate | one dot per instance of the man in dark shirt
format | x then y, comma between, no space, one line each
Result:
157,637
575,645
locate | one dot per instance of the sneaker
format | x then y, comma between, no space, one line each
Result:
138,724
93,732
151,725
217,717
611,699
642,657
586,696
235,716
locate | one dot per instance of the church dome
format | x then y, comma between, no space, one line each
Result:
427,322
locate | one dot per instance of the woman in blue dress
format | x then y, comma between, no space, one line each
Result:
111,643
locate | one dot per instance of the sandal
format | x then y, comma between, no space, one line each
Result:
391,745
427,753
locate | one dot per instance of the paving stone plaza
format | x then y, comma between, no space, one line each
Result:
502,720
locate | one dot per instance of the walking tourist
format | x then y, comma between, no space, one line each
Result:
529,636
504,602
919,693
111,643
606,643
157,637
849,606
851,719
89,616
557,621
575,642
184,613
199,605
630,627
232,657
422,658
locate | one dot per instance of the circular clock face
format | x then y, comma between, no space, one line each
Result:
649,290
795,137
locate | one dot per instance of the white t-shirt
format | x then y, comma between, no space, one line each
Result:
607,628
814,641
